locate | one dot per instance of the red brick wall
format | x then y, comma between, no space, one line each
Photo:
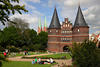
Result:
80,36
56,44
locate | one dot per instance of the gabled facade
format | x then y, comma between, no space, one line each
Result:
60,37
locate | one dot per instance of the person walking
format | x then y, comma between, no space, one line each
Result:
5,54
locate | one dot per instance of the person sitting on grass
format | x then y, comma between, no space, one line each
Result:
33,62
51,60
48,60
39,60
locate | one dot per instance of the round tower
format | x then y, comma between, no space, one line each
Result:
80,28
54,31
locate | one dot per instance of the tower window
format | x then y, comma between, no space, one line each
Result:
78,30
61,39
68,25
56,30
62,31
70,31
50,30
63,25
65,31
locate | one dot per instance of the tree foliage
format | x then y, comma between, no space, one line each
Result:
84,54
27,40
7,8
43,38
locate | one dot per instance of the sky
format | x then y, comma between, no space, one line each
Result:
65,8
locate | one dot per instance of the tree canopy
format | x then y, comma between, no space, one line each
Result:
11,38
7,8
85,54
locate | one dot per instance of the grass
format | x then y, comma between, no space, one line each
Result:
54,56
24,64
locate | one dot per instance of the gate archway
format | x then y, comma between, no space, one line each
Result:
66,49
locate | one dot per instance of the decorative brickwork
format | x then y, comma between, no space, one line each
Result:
62,36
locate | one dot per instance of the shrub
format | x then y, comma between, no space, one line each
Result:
25,48
13,49
1,49
84,54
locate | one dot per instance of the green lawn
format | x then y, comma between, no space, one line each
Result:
54,56
30,53
24,64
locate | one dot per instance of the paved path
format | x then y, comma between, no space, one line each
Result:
19,58
63,62
60,62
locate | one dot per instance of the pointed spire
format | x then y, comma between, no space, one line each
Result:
80,21
40,23
45,22
55,20
45,25
39,26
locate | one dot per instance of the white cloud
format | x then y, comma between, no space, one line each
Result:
32,20
34,1
22,2
70,2
90,16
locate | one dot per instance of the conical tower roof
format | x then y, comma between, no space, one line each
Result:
80,21
55,20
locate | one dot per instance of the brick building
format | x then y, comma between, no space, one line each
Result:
96,38
60,37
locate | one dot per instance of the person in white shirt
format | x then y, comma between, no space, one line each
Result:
51,60
39,60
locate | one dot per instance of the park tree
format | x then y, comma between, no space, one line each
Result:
21,26
9,37
1,59
30,36
85,54
43,38
7,8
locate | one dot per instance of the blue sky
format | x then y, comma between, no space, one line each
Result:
65,8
